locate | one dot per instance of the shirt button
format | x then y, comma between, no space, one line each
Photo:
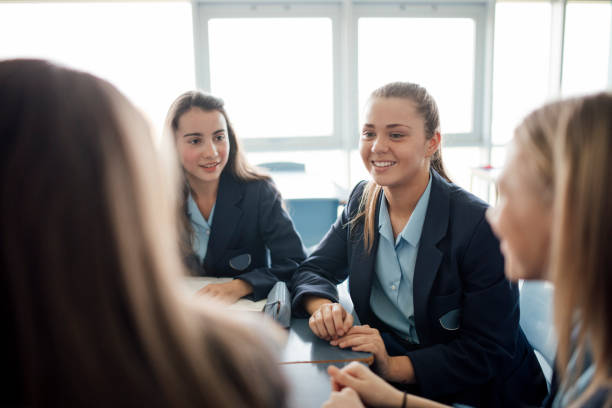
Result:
207,232
393,287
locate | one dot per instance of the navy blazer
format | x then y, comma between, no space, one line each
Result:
466,313
252,237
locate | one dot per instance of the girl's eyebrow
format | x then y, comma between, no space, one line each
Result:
392,125
216,132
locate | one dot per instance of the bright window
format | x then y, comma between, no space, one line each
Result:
275,74
145,49
586,47
521,64
437,53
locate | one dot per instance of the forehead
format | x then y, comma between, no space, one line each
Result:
390,110
199,118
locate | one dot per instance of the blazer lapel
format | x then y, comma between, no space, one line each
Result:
225,219
429,256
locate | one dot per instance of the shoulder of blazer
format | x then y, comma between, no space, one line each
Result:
355,198
454,209
230,190
463,203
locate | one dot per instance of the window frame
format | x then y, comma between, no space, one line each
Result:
475,11
345,17
203,12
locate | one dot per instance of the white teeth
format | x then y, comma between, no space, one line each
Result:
210,165
383,163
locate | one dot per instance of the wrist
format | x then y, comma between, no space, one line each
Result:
242,287
401,370
395,399
312,303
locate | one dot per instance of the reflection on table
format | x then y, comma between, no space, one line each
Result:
304,347
309,383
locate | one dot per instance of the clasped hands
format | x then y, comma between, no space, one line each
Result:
329,321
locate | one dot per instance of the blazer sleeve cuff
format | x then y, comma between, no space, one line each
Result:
261,282
426,363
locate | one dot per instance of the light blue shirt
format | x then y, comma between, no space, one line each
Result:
391,298
201,227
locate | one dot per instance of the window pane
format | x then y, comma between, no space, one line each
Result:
437,53
586,47
275,74
521,64
145,49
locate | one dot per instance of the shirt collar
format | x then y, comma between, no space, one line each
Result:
413,228
195,215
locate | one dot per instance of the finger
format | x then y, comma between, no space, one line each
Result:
349,392
348,321
313,326
342,378
336,311
345,338
366,348
355,369
361,330
320,325
355,340
335,385
328,321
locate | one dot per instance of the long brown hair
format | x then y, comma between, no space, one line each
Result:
581,265
428,109
90,265
237,164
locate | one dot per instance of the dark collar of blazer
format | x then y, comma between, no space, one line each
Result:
226,219
427,264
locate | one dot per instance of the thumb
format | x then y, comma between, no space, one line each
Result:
342,377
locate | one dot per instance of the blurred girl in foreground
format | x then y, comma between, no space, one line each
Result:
90,267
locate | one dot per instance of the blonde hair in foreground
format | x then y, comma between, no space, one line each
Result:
90,261
581,264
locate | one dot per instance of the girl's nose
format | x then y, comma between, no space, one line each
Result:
210,150
379,145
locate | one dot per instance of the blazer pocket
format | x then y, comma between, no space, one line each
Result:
240,262
447,310
451,320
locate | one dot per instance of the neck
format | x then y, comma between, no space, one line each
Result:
202,190
403,199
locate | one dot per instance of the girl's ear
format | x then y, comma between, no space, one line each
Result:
433,144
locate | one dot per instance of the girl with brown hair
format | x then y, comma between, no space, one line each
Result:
92,307
426,274
554,221
233,221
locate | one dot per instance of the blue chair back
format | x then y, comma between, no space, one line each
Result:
312,218
537,322
283,166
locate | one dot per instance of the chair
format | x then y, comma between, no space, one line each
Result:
283,166
537,322
312,218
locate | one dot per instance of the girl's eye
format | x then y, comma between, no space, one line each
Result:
368,135
220,137
194,141
396,135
